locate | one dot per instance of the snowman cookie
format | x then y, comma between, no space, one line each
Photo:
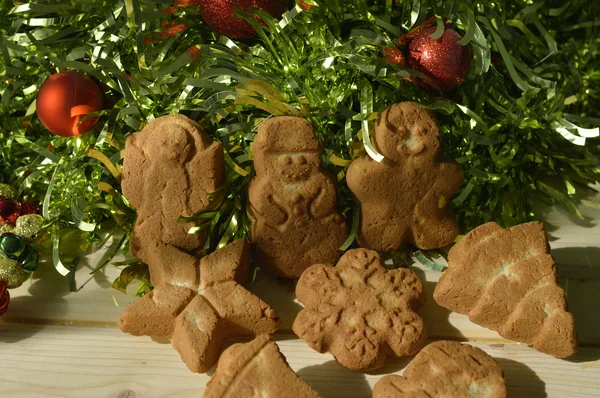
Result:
292,202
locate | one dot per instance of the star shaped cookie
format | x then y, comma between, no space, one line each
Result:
197,309
359,311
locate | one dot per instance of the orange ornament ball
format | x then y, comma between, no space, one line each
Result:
65,99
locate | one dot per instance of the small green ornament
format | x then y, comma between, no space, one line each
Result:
29,259
11,246
12,273
7,191
29,225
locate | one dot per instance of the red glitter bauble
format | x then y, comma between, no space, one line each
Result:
218,14
4,298
30,208
10,210
64,99
443,60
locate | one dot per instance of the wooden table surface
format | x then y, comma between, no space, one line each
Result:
59,344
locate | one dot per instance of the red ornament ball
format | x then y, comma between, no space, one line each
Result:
443,60
30,208
64,99
4,298
10,210
218,15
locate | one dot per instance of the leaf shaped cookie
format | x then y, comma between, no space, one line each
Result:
446,369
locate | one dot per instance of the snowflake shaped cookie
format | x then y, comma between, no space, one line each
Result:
359,311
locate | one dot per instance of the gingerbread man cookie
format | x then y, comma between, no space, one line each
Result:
359,311
405,199
505,280
292,203
170,168
446,369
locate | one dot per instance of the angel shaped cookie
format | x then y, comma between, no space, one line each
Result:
405,199
359,311
200,309
292,203
169,170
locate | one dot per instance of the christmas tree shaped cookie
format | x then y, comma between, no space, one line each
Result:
201,308
505,280
256,369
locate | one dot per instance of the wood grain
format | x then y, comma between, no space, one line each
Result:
79,361
60,344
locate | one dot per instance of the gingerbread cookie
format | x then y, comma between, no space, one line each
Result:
256,369
359,311
505,280
292,203
169,169
405,199
199,309
446,369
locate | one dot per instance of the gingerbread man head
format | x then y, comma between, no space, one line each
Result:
407,130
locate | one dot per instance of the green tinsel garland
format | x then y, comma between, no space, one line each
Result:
535,79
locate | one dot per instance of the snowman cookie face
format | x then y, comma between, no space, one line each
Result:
293,167
286,150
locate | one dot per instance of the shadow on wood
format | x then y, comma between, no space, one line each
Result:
280,294
392,365
15,333
332,380
521,380
587,356
579,274
46,290
437,317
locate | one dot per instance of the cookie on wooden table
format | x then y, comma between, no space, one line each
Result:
202,310
406,198
256,369
169,170
292,202
446,369
505,280
359,311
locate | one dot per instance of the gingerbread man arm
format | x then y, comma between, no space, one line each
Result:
324,203
263,203
133,185
359,175
436,209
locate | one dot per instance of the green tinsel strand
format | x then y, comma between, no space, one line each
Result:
536,70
